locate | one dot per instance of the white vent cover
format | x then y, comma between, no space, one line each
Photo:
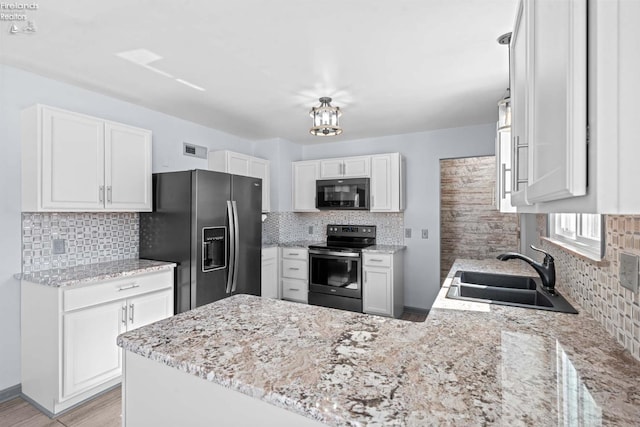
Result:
194,150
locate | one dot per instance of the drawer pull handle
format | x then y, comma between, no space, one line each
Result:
376,260
294,289
129,286
124,314
294,268
293,254
131,313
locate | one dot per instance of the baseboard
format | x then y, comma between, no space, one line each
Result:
70,408
416,310
10,393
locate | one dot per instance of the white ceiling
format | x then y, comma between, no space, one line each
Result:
393,66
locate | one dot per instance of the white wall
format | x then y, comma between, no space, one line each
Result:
422,152
281,153
20,89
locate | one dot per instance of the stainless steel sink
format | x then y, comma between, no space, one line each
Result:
505,289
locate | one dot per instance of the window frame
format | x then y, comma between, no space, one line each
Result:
592,248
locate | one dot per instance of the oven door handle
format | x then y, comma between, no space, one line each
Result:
334,253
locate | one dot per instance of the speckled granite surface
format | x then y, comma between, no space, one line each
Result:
94,272
300,244
467,364
386,249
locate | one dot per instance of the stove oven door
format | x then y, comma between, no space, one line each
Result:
335,273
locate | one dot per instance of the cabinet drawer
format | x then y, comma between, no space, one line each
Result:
377,260
295,290
111,290
294,253
294,269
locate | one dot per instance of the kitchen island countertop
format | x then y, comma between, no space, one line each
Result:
467,364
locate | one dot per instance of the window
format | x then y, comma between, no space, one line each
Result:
580,232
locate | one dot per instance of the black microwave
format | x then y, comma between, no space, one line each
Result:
349,194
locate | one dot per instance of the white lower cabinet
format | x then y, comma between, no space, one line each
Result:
89,356
269,273
69,350
382,287
295,274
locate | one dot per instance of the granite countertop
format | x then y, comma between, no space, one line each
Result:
94,272
300,244
467,364
387,249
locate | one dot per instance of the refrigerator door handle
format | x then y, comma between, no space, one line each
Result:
232,247
237,246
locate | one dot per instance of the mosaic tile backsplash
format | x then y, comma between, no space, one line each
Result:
88,238
286,227
596,286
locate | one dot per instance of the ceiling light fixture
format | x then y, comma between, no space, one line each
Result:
325,119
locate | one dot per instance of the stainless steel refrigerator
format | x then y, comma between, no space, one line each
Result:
209,224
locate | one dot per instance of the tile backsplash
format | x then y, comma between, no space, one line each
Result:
284,227
596,285
88,238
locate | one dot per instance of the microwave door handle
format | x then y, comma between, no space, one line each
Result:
232,247
237,246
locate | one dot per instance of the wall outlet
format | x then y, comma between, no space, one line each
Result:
311,229
629,271
425,233
58,246
407,233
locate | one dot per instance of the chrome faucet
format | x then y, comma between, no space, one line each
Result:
546,269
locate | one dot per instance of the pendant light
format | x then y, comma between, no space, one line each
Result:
504,105
325,119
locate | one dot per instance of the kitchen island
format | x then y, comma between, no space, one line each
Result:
247,359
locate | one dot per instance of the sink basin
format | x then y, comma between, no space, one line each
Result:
497,280
505,289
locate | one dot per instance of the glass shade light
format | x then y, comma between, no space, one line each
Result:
325,119
504,113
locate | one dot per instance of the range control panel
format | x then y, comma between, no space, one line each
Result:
351,230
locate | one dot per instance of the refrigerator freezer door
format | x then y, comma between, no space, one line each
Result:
210,190
247,195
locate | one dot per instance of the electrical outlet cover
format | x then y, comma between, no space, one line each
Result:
425,233
58,246
407,233
629,271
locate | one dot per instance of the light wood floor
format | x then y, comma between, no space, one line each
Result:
103,411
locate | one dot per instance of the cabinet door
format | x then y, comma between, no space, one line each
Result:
127,168
356,167
90,354
238,164
72,161
376,291
331,168
386,180
260,168
149,308
269,284
304,179
519,108
558,133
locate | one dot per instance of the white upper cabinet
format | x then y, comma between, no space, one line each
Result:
558,102
386,173
387,183
127,169
549,63
245,165
73,162
346,167
567,174
303,183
